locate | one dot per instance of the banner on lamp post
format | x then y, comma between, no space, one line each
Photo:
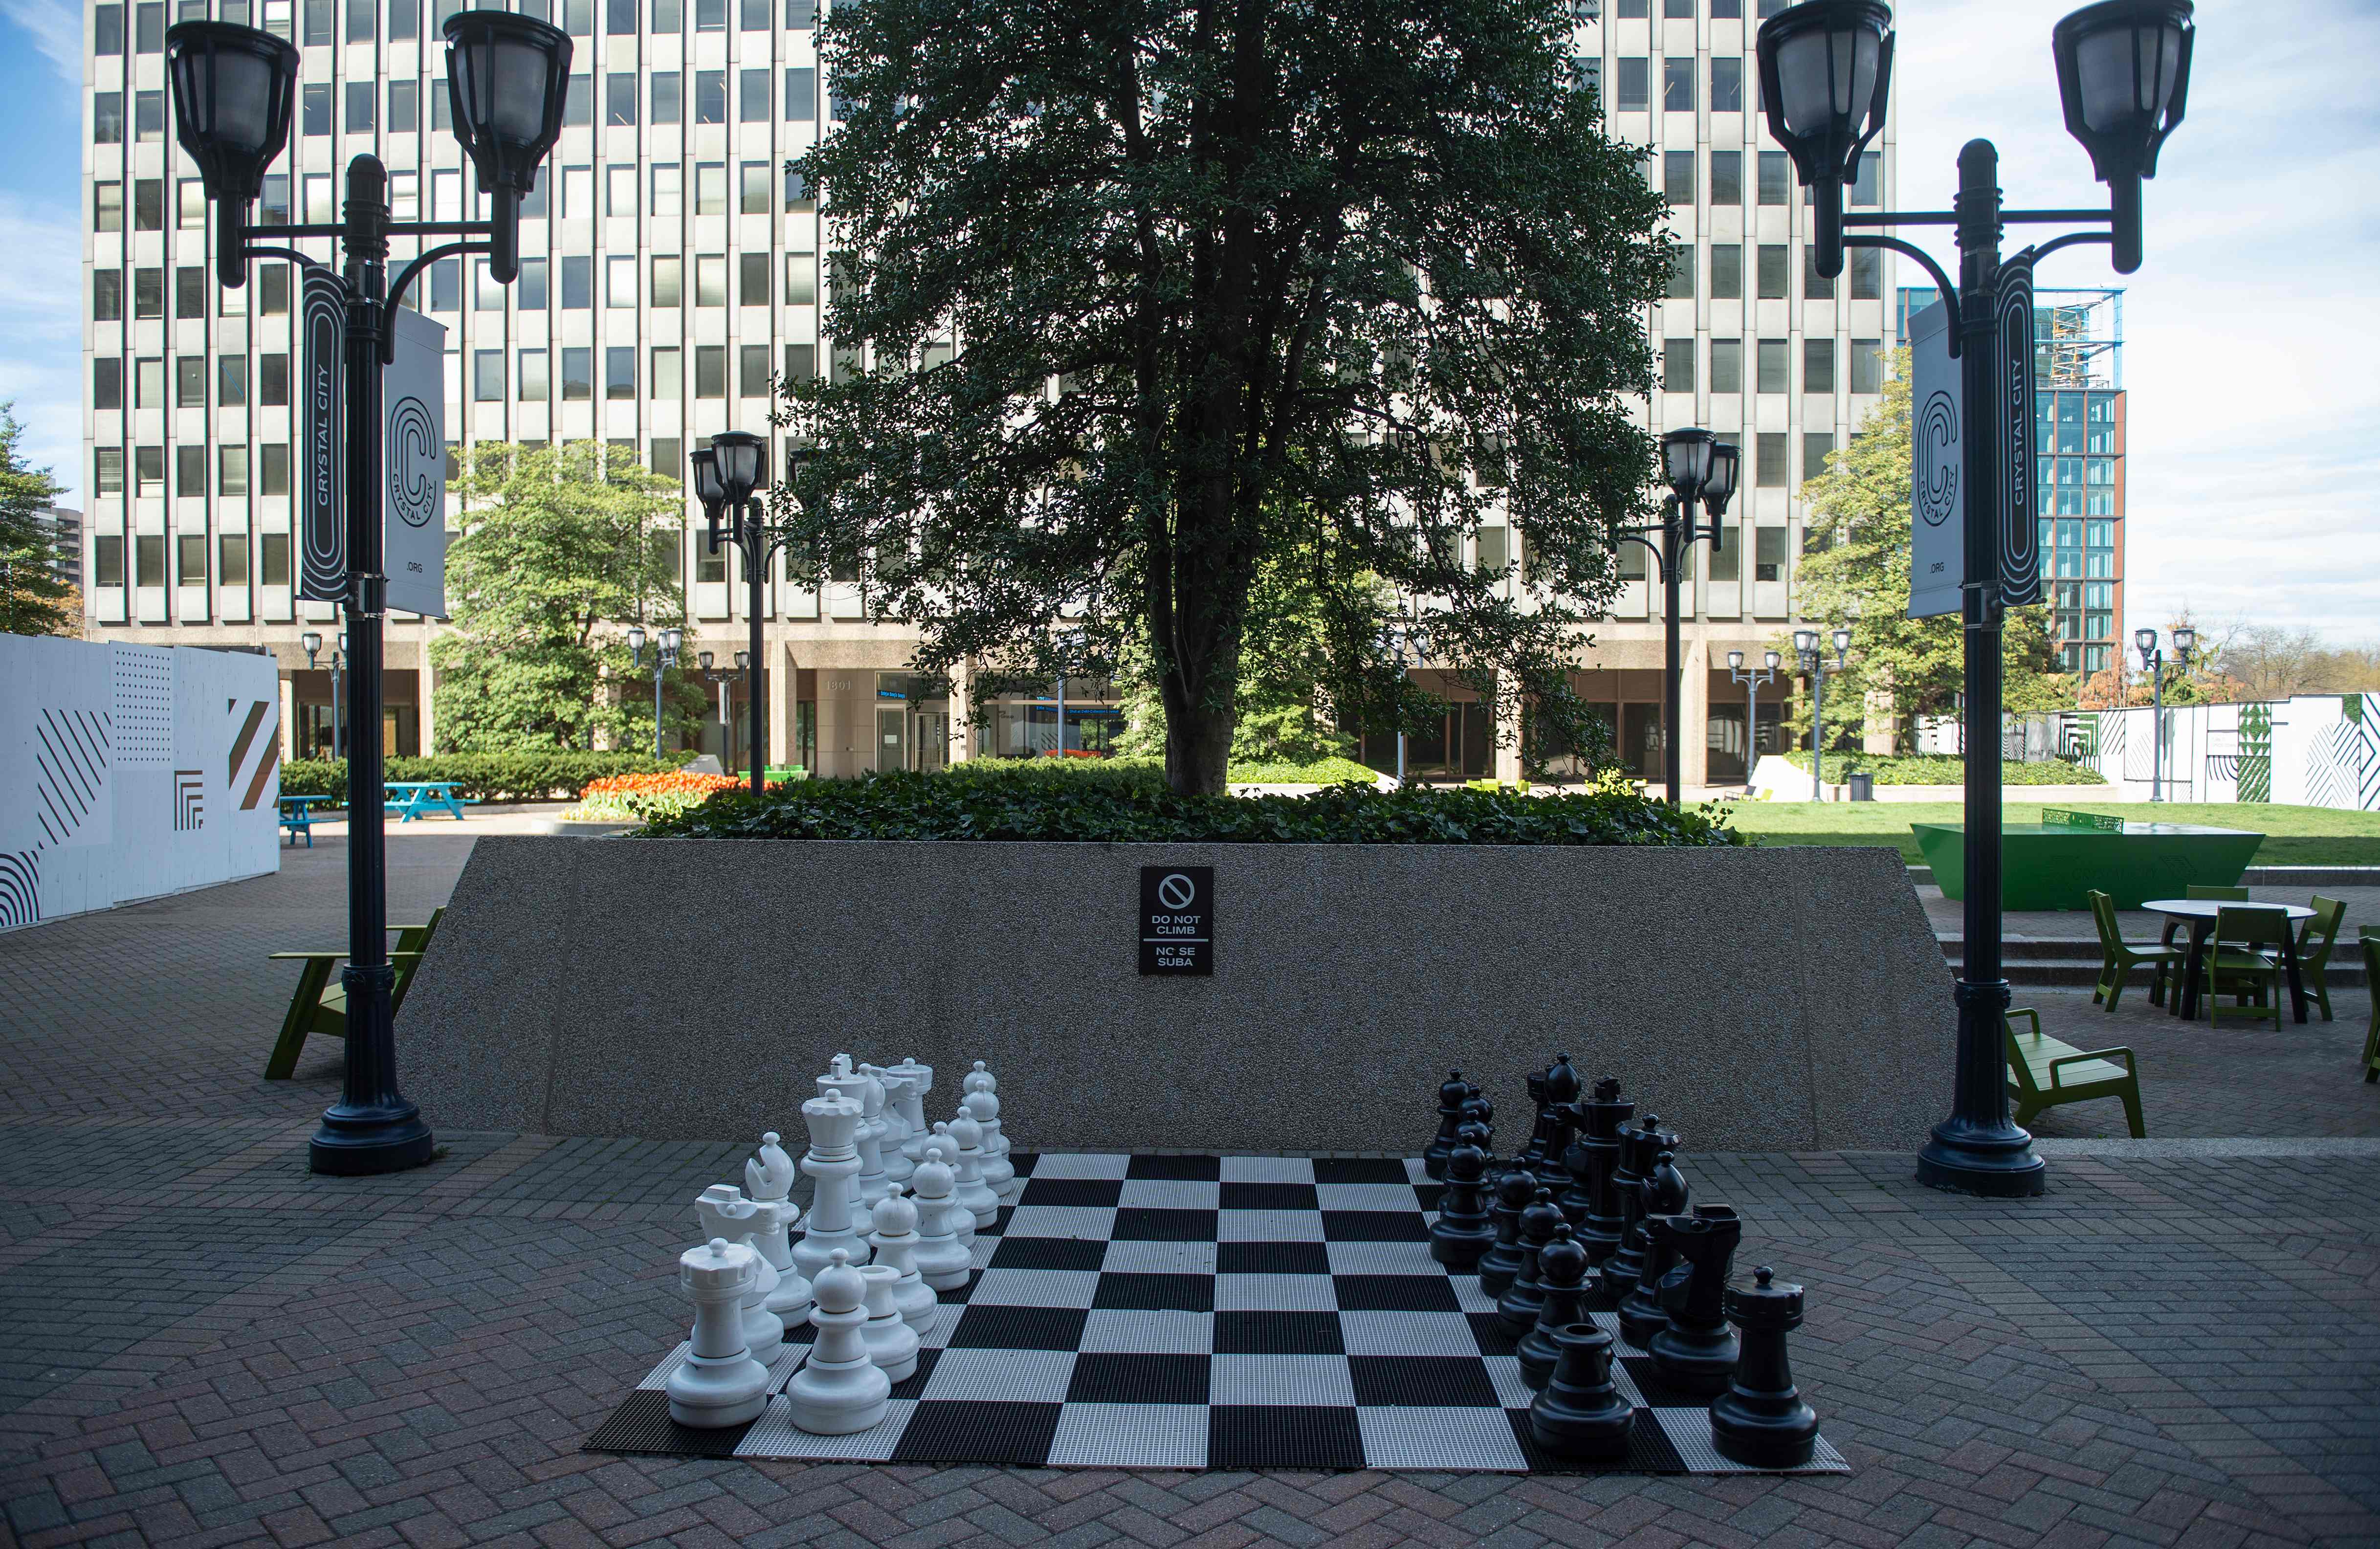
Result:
2020,544
1937,481
322,438
413,401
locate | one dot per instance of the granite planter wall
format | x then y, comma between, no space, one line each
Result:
1758,999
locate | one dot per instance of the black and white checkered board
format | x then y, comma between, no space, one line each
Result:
1208,1313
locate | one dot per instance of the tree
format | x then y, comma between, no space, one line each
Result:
34,601
1131,299
556,543
1856,572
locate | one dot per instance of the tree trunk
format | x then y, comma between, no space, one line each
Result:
1198,740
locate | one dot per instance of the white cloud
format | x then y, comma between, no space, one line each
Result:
56,28
2255,410
40,335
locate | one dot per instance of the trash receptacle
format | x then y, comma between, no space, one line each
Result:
1862,786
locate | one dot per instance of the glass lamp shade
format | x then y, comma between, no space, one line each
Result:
1826,69
2123,73
706,658
707,487
312,641
1842,641
1686,461
1735,661
1771,661
2145,641
1805,641
342,640
673,640
636,639
506,76
742,660
2185,639
742,462
232,89
1726,459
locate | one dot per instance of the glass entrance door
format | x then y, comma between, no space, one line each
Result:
929,740
892,738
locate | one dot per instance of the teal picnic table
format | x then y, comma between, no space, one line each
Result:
413,799
2054,864
297,816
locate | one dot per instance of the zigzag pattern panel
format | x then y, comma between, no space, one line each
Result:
21,889
2344,769
190,801
266,750
71,753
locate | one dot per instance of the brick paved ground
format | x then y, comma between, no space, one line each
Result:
204,1345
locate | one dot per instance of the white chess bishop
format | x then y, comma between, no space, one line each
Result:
833,1161
942,1261
725,1213
967,1177
840,1389
891,1343
999,1173
896,1240
898,1165
719,1384
768,1178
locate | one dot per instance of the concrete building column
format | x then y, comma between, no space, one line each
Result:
782,692
426,712
962,703
1694,712
1508,736
288,716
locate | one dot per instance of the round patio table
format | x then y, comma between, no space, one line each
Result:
2199,915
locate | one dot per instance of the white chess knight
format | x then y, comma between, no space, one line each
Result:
898,1166
999,1173
725,1213
891,1343
719,1384
868,1185
840,1389
920,1080
768,1178
896,1240
833,1161
967,1177
962,1213
942,1261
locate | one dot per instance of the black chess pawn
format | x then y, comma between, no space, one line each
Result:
1462,1231
1580,1412
1642,1312
1525,1297
1477,1110
1451,1094
1640,1151
1589,1204
1561,1270
1697,1351
1761,1420
1501,1263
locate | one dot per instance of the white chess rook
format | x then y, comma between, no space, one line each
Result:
962,1214
967,1177
942,1261
898,1167
723,1211
891,1343
840,1389
833,1161
768,1179
896,1240
920,1080
999,1173
719,1384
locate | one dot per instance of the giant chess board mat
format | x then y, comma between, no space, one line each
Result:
1209,1313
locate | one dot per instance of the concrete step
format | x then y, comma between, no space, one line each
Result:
2255,876
2051,962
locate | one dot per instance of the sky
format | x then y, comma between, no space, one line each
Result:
2252,353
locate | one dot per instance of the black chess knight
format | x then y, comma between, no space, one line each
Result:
1697,1351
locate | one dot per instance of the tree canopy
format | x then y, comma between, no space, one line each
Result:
1131,299
556,543
34,600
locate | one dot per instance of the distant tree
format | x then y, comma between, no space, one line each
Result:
34,601
1131,299
562,547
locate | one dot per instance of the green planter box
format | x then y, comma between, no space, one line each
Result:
2051,866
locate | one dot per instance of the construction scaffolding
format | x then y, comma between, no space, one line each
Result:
2077,339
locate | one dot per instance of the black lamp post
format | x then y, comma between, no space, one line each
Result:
663,659
312,641
233,88
1700,470
2123,73
2185,641
1805,647
1752,682
727,473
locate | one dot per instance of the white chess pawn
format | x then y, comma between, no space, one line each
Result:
963,1222
898,1166
891,1343
840,1389
942,1261
920,1080
719,1384
967,1177
833,1161
896,1240
980,1079
725,1213
999,1173
768,1178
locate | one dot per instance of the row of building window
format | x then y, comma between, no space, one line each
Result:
272,550
1772,265
1772,362
1774,177
321,22
1680,10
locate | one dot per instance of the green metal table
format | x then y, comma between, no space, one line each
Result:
2051,864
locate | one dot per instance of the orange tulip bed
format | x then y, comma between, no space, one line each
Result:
619,797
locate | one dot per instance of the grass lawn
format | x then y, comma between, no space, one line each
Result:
2294,836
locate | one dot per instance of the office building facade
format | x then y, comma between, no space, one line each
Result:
671,267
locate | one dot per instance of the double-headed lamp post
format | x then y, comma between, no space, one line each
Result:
2185,641
2123,73
727,474
663,659
312,641
1814,662
232,89
1752,681
1700,470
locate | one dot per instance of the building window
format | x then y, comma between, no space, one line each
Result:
1678,364
1677,85
577,101
1867,365
488,376
149,559
752,96
666,453
1678,10
1727,176
446,285
273,380
361,98
1816,447
108,117
711,188
753,183
620,108
1769,550
107,29
404,107
1678,177
1814,286
529,291
404,19
669,189
1769,460
191,204
273,289
272,558
107,470
231,548
107,382
1773,256
801,95
107,551
231,476
801,279
711,96
620,190
107,295
711,16
710,370
1727,272
577,282
1633,10
1635,83
1866,265
148,293
190,290
668,97
620,372
1776,178
532,376
669,280
190,472
148,204
1681,273
752,371
710,280
487,296
1868,182
1726,365
620,18
149,382
577,375
752,280
801,362
314,107
1770,365
272,478
1818,365
107,206
797,190
190,382
148,116
1727,83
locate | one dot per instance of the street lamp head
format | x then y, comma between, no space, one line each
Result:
312,641
1686,463
1727,459
672,642
706,658
1805,643
506,76
1771,661
636,643
232,89
2144,640
1842,638
2185,641
742,660
708,489
741,459
2123,74
1826,71
1735,661
342,640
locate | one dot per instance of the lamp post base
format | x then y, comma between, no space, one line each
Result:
1970,1159
354,1142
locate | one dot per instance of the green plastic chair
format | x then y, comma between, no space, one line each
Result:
2371,978
2315,939
2117,957
2243,959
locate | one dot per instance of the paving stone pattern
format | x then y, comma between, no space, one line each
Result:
206,1345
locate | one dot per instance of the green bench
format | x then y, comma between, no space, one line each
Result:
319,1006
2045,1073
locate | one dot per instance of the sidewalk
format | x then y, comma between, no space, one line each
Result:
206,1345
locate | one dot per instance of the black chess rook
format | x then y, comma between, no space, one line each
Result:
1761,1420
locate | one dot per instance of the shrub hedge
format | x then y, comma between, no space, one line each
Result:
1946,769
558,775
985,804
1148,774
